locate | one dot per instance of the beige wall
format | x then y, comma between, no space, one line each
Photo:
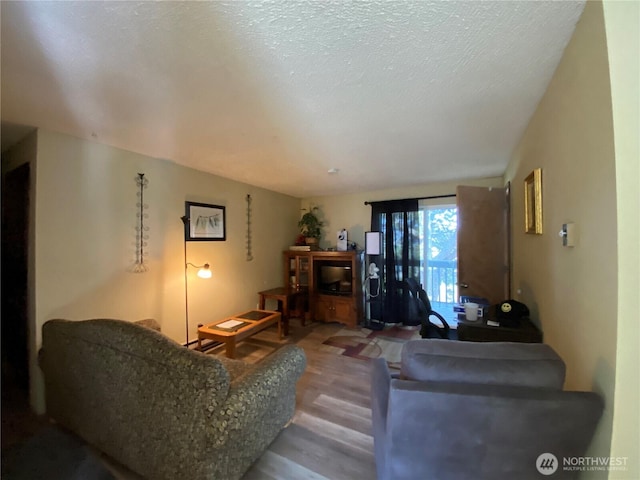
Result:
572,292
350,212
85,219
622,22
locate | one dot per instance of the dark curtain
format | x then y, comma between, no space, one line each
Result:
400,258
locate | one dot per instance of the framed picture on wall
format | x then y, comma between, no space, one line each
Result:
533,202
204,222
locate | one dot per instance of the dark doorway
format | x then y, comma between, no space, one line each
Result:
15,250
19,422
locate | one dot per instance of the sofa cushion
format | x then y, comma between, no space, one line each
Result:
497,363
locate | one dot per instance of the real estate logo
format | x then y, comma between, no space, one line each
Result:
547,463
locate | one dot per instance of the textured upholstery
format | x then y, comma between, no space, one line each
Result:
499,363
449,428
151,323
160,409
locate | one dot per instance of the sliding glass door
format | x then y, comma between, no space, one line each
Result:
439,275
419,241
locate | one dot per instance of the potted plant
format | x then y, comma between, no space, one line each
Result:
311,227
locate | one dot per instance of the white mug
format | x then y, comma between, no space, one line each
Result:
471,311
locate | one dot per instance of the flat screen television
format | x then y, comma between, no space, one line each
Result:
334,280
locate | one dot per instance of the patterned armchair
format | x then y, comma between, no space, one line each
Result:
162,410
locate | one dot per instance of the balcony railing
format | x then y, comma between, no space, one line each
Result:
441,280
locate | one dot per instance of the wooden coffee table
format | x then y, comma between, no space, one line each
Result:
241,326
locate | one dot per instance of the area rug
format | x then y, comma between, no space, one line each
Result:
366,344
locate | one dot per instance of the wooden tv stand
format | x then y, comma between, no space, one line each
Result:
301,271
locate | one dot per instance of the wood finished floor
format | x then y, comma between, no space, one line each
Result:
330,436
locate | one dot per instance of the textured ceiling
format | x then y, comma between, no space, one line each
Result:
276,93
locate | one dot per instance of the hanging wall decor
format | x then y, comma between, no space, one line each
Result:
140,265
249,254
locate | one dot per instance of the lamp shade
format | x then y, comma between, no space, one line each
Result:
372,242
205,271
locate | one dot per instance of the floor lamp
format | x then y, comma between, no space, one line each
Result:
373,243
204,272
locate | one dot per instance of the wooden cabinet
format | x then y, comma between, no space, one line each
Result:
330,308
297,270
333,282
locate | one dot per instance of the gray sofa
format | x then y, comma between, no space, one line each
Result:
162,410
474,411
